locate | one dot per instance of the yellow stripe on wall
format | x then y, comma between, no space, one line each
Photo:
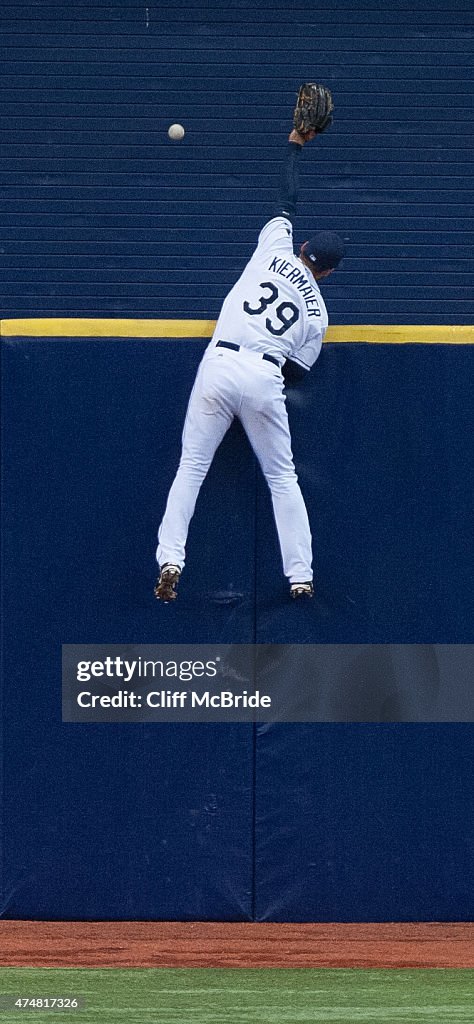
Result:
78,327
402,334
377,334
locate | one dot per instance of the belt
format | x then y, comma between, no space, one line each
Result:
236,348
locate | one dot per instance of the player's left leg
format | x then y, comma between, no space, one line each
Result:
208,417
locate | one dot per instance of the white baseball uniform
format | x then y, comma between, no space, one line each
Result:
274,310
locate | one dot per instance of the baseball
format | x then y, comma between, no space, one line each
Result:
176,131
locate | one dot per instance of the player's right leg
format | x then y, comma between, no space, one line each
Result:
209,415
265,420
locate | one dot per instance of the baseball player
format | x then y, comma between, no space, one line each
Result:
273,318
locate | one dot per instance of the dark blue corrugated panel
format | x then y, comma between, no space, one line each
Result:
103,215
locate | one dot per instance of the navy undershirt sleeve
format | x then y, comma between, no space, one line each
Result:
289,182
293,373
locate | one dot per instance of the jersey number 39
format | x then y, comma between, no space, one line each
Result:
286,320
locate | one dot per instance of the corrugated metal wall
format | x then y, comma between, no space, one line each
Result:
104,216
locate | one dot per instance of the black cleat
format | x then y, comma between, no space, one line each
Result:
166,586
302,589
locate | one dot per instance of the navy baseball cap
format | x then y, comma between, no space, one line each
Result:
325,250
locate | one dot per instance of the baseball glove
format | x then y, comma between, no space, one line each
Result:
313,109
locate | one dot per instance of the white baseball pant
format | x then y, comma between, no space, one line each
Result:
241,384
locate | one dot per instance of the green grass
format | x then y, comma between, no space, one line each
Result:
259,996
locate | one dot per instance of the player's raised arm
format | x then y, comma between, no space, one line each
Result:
289,179
312,115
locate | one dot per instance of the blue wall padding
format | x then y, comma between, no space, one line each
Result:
353,822
119,822
364,822
103,215
380,443
371,822
93,430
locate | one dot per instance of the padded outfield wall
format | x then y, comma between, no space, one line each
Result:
105,218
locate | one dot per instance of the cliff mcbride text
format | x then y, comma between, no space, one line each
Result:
174,699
